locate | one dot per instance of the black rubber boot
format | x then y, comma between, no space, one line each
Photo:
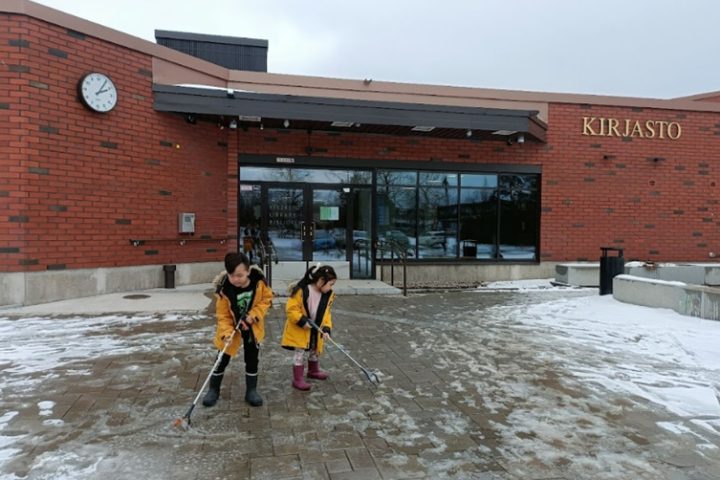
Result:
251,394
213,393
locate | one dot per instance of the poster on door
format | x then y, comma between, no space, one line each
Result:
329,213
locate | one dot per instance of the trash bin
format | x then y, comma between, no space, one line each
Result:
610,266
469,248
169,275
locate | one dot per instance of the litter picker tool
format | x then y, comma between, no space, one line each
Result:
371,376
183,422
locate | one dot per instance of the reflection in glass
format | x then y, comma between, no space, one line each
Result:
478,180
285,217
305,175
361,240
396,215
396,177
249,219
478,222
519,215
438,179
437,222
330,219
430,214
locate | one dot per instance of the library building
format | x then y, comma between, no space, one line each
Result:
123,159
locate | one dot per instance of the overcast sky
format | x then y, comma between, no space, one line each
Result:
639,48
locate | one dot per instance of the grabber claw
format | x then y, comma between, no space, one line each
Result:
371,376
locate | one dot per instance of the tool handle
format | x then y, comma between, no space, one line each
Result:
217,362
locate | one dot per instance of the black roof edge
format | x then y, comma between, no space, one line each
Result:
220,101
201,37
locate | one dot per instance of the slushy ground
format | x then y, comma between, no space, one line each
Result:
526,384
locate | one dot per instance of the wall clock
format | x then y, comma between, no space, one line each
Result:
97,92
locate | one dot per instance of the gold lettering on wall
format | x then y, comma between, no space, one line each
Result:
613,127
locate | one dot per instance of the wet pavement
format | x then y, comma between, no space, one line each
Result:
471,389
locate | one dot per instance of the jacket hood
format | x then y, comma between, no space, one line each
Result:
256,274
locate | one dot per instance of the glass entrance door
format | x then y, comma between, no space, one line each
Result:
329,224
311,223
307,224
286,215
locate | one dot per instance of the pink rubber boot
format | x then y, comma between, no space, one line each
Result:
314,370
298,380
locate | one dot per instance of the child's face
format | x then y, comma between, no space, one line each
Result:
240,277
325,287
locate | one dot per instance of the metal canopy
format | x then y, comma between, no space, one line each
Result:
320,112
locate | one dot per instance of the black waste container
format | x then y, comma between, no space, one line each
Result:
610,266
469,248
169,275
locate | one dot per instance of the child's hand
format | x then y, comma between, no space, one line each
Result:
326,335
307,326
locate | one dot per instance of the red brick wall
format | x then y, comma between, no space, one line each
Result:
657,198
75,186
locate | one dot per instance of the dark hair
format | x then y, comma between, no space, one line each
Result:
233,259
313,274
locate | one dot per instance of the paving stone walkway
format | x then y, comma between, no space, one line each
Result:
467,393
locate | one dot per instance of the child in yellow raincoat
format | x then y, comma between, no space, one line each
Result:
243,299
310,299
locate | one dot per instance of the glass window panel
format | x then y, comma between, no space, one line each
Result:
330,218
478,180
437,222
438,179
478,222
285,217
519,217
396,215
396,177
304,175
249,219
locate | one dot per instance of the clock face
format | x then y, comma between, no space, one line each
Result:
98,92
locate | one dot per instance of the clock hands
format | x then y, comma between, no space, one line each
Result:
101,88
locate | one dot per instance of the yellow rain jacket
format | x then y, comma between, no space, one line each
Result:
294,334
261,300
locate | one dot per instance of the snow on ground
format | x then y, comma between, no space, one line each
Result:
6,451
634,352
551,375
32,348
543,284
668,358
532,364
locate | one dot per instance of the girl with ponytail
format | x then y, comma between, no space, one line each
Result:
310,302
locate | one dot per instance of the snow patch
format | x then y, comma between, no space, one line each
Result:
45,408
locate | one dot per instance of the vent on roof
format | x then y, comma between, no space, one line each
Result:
230,52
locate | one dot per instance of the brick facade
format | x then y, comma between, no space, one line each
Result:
76,186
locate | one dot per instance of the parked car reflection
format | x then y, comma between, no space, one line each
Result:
323,240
